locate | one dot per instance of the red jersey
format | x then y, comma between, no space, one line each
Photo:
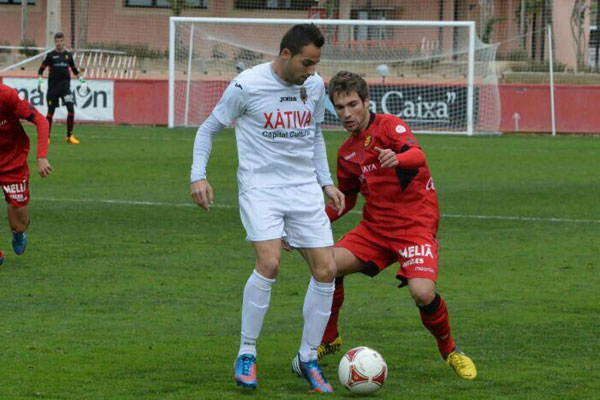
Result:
14,142
396,199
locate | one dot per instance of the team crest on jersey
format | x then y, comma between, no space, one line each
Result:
303,94
400,129
368,141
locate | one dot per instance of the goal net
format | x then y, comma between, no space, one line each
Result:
436,75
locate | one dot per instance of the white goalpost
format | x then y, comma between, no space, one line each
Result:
436,75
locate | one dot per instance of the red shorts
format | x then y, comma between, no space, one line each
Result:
15,185
417,254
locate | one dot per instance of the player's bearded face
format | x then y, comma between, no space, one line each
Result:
352,111
302,65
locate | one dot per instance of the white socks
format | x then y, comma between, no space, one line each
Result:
316,311
257,294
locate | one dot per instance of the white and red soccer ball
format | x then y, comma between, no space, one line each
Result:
362,370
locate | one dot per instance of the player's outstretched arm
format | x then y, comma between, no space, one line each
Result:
202,193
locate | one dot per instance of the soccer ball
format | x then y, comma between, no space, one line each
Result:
362,370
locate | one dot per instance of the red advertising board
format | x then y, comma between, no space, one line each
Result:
524,108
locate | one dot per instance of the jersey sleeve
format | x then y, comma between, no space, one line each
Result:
232,103
72,65
400,136
45,63
22,109
320,159
320,105
203,146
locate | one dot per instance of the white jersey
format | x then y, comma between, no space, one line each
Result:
275,127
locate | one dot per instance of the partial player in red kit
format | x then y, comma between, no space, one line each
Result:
14,171
382,160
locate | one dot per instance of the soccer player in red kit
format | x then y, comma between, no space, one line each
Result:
382,160
14,171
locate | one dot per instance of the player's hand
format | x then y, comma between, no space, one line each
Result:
338,198
202,193
44,167
387,157
41,86
83,87
285,245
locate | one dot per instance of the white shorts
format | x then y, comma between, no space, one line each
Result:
295,212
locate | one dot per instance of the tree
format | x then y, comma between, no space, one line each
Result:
487,20
578,15
525,16
177,6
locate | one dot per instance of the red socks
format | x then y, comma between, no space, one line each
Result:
435,318
331,331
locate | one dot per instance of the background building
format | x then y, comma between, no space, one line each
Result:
141,26
127,41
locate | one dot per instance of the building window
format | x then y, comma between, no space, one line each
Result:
276,4
29,2
363,32
163,3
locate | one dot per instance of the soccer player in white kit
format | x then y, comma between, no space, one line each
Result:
279,107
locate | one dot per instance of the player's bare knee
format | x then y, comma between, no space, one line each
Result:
422,291
326,272
422,295
268,267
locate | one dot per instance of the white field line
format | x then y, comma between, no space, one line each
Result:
229,206
125,137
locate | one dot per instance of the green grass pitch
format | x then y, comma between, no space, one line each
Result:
128,291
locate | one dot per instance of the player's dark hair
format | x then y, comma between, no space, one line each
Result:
348,82
59,35
299,36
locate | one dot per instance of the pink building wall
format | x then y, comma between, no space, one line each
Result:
111,21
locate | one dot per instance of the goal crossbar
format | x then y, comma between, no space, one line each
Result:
469,25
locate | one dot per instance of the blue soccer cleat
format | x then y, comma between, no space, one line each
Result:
19,242
1,257
244,371
311,371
